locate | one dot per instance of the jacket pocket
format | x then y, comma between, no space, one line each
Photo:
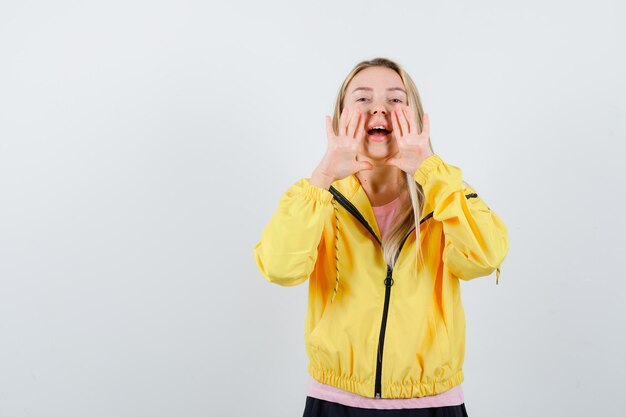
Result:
320,328
320,357
441,337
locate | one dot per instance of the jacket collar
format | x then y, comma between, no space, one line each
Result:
351,188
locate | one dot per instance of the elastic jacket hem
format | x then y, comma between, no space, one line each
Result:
390,390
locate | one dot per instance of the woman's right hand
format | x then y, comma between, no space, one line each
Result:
340,158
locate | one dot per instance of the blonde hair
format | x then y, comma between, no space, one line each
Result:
407,216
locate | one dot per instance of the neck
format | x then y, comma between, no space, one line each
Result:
382,184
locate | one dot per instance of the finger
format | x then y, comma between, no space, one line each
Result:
360,132
396,125
329,129
361,165
354,120
425,125
343,121
391,161
408,113
403,122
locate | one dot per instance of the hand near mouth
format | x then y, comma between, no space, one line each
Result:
413,147
343,146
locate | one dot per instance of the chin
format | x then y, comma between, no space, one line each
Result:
378,156
379,153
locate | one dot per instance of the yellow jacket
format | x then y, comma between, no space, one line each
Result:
386,333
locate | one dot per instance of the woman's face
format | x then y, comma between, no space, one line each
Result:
376,91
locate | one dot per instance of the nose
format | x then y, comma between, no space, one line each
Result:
378,109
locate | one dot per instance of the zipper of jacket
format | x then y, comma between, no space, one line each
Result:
381,339
388,282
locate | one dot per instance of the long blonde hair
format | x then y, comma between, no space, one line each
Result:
407,215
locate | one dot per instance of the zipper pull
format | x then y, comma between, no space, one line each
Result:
388,280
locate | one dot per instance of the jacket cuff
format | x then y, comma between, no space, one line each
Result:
426,167
319,194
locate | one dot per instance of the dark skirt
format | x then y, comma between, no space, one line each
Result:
321,408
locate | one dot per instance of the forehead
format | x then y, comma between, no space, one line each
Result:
375,77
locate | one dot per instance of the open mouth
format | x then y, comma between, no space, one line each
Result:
380,132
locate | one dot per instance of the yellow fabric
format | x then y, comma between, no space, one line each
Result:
311,236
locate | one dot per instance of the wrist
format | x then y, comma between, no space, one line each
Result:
320,179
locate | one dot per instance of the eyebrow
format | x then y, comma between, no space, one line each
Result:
370,89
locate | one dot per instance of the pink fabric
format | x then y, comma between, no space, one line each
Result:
384,216
326,392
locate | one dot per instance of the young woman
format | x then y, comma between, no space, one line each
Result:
384,230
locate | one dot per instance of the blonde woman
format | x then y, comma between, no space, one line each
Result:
384,230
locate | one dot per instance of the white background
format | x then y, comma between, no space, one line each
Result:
145,144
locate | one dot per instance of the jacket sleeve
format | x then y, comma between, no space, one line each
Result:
287,251
476,239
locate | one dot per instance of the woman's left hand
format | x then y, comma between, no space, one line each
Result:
413,146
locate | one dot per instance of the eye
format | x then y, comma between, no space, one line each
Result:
362,98
398,100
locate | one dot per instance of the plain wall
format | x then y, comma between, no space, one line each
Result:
144,145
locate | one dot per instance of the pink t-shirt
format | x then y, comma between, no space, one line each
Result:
384,215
